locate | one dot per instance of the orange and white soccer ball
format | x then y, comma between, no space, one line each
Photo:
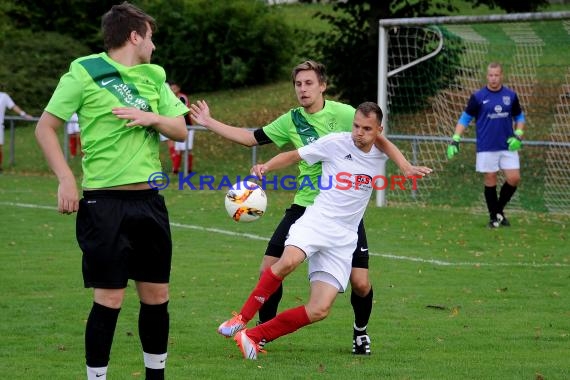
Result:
246,201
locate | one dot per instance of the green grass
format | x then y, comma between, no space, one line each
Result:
452,299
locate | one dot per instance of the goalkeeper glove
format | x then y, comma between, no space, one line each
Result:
515,142
453,147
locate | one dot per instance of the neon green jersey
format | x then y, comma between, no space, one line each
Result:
113,153
300,129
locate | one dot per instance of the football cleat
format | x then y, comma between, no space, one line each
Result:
502,219
247,346
493,223
262,342
230,327
361,344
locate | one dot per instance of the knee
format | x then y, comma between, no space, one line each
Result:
110,300
154,295
514,180
283,268
317,313
360,285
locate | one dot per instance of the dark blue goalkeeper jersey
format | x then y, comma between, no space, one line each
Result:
495,112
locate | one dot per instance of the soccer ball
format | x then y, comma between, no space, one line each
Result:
245,201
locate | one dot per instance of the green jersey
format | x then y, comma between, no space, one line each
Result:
113,153
300,129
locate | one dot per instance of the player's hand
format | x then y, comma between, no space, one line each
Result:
259,170
67,196
200,112
453,147
135,116
515,142
417,171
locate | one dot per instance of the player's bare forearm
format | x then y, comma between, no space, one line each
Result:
282,160
173,128
459,129
393,153
46,135
200,112
238,135
399,159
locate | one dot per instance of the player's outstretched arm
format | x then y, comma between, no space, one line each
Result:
399,159
201,114
280,161
46,134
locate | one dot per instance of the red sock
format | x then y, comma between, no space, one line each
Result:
176,158
73,145
190,157
0,156
284,323
267,285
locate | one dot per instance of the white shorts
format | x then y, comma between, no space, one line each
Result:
163,138
328,246
491,162
181,146
1,134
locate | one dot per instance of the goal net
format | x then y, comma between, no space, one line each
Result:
429,67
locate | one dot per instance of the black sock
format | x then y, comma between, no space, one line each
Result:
154,324
99,333
492,201
507,192
362,307
154,374
269,309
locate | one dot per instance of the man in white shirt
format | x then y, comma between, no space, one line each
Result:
326,234
6,102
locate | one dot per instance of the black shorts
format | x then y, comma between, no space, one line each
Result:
124,234
277,242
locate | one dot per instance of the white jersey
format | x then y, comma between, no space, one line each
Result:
6,102
327,231
347,179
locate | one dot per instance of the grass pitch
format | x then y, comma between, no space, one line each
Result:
453,300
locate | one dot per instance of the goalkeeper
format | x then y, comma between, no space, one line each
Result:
499,129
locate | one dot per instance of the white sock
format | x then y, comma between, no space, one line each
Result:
154,361
360,329
96,373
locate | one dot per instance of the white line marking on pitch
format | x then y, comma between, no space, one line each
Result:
384,255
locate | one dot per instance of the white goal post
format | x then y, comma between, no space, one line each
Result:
429,66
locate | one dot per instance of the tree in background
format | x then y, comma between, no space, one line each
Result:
350,50
204,45
31,66
208,45
78,19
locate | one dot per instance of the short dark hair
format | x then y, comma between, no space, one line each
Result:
495,65
315,66
367,108
118,23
